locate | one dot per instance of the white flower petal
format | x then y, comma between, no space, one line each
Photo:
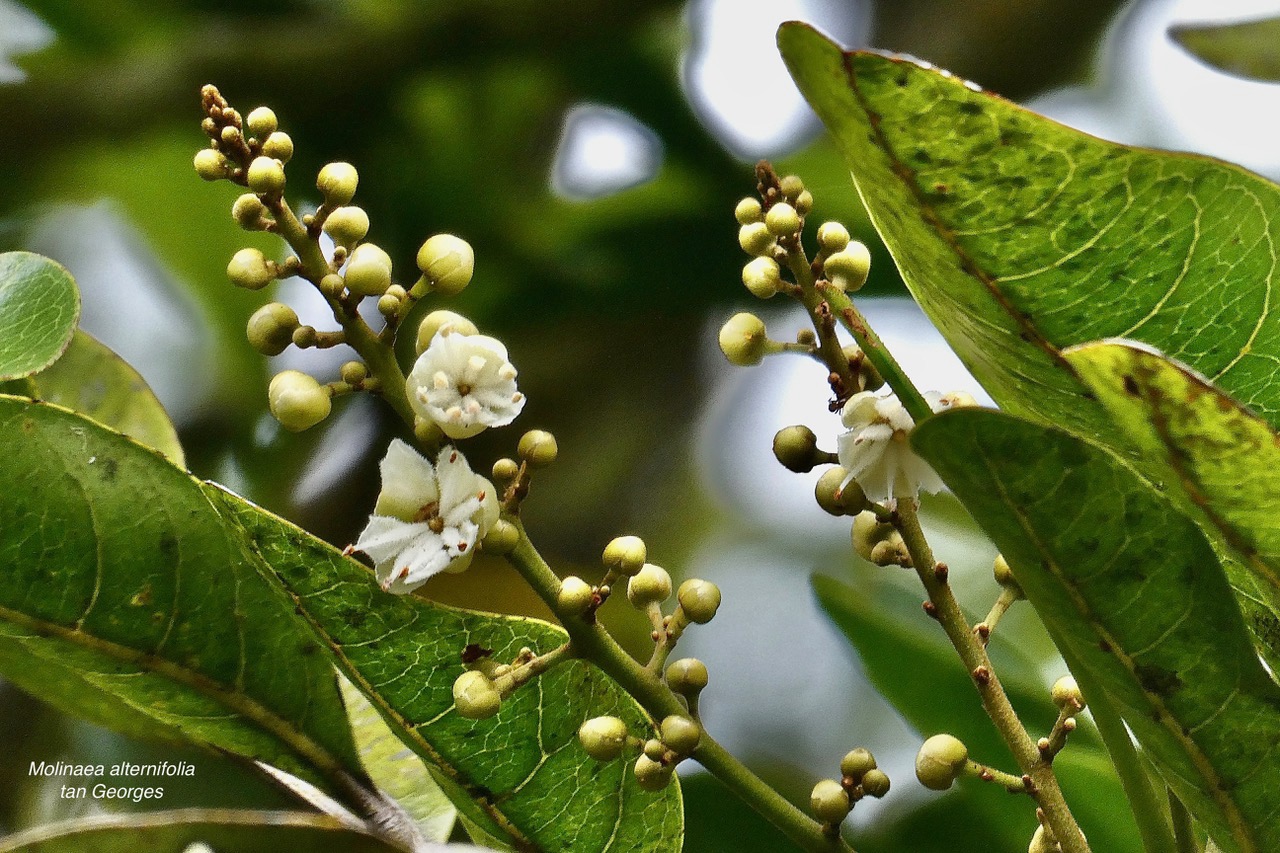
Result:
385,537
408,482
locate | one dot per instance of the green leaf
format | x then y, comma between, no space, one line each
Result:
1131,590
39,308
126,600
940,697
91,379
1020,237
1246,48
226,831
524,767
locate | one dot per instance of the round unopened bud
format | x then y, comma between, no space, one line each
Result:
297,400
748,211
655,749
1042,841
305,336
832,237
265,176
437,320
857,762
261,121
279,146
743,340
869,531
448,262
1004,576
475,697
791,186
625,554
940,762
332,285
211,165
505,470
652,775
782,220
538,447
249,212
875,783
368,272
650,585
848,268
804,203
1067,696
755,239
249,269
889,553
575,596
680,734
796,447
230,135
762,277
687,676
829,801
347,225
501,539
603,738
839,494
270,328
389,305
353,372
337,181
699,600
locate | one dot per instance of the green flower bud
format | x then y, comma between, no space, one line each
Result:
305,336
791,186
1004,576
297,400
353,372
261,122
249,269
782,220
838,497
448,262
875,783
848,268
368,272
743,340
856,763
699,600
603,738
389,304
687,676
505,470
437,320
1042,841
833,237
337,182
762,277
575,596
249,212
270,328
889,553
804,203
755,239
796,447
1067,696
230,135
332,285
347,225
652,775
265,176
501,539
940,762
748,211
211,165
538,447
829,801
654,749
475,697
650,584
868,531
625,554
278,146
680,734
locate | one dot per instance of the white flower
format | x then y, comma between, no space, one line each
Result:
875,450
427,519
464,383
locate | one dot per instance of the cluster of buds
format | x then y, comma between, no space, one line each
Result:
607,738
833,799
479,692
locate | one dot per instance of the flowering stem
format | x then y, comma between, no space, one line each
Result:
593,643
829,349
1042,784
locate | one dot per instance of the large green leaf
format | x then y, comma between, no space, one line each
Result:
535,785
39,308
125,599
1246,48
1020,237
1131,590
91,379
226,831
940,697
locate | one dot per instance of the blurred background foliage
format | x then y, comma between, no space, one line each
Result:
592,152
